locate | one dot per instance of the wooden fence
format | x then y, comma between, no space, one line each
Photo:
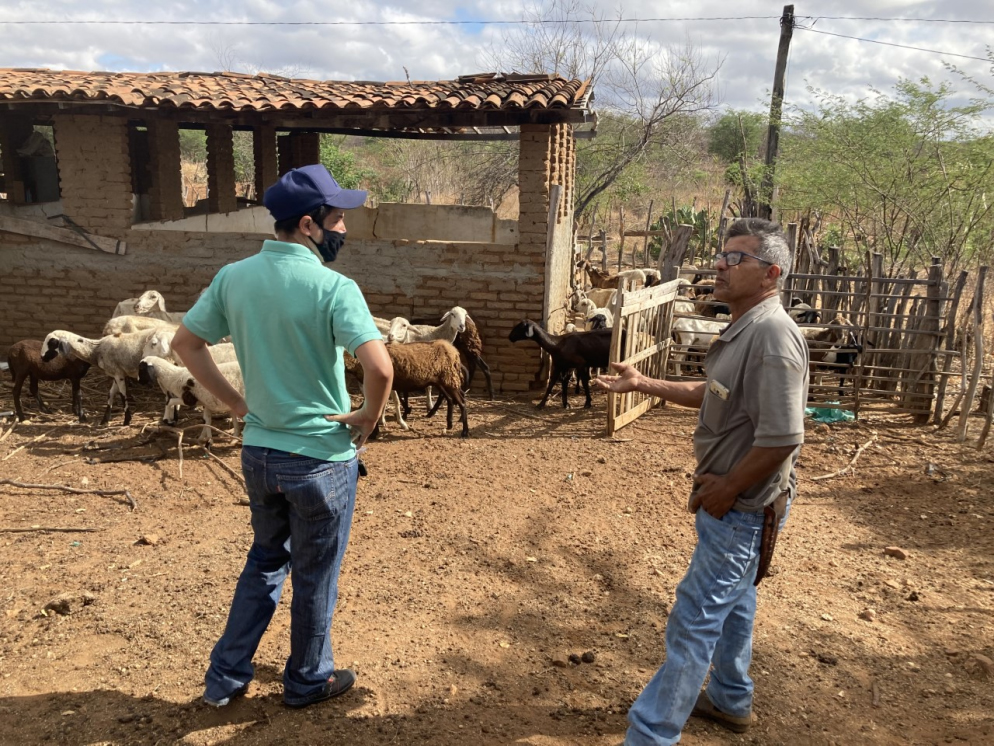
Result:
643,318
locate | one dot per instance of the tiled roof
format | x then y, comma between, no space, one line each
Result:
260,93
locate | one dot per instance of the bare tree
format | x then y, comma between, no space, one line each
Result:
651,91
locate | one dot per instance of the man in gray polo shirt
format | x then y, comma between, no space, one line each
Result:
750,430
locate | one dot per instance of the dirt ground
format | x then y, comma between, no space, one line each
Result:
478,572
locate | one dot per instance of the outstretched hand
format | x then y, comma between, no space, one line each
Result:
626,380
360,423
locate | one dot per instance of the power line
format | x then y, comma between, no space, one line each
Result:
891,44
482,22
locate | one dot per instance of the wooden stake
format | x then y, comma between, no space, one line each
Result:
51,529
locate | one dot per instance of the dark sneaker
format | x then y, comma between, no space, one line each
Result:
340,683
225,701
704,708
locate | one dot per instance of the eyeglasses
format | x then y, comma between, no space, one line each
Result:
732,258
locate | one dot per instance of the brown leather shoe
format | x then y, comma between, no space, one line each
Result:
704,708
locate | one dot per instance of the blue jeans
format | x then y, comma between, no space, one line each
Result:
711,624
301,515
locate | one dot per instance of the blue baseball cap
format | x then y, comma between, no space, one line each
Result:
305,189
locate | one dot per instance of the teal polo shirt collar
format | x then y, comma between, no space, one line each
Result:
286,247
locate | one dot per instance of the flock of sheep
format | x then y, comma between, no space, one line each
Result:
136,344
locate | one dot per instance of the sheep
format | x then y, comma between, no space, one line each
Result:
116,355
802,313
150,304
383,326
599,297
598,278
578,351
160,344
453,322
24,360
599,318
833,348
177,383
705,305
419,365
653,277
130,324
403,331
471,347
690,332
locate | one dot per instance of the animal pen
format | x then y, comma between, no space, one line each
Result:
901,333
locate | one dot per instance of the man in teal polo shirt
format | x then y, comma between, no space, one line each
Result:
289,318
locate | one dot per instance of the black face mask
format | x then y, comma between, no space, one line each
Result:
331,242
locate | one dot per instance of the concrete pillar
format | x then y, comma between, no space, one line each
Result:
14,130
166,190
94,171
264,153
220,169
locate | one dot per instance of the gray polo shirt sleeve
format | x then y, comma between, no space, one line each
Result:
352,323
207,318
782,393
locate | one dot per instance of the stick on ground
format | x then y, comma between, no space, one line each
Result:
73,490
848,467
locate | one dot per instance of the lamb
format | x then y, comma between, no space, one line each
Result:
578,351
24,360
422,364
116,355
130,324
150,304
177,383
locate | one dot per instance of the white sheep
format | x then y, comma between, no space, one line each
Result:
182,388
129,324
117,355
151,304
160,344
599,318
693,333
599,297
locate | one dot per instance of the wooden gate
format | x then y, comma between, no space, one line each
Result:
641,338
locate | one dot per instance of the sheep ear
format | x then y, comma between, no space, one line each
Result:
528,331
161,303
446,315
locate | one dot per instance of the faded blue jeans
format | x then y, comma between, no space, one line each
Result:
711,624
301,515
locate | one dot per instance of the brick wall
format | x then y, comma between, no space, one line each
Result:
46,286
94,171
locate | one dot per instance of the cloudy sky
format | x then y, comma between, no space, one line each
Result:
746,46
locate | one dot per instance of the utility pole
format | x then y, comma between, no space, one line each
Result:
765,209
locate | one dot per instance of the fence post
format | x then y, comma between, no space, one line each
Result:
923,382
646,238
951,343
979,356
792,234
723,220
621,235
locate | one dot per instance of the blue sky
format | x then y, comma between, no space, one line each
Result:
746,47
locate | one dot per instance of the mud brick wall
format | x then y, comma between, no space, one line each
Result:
94,171
46,285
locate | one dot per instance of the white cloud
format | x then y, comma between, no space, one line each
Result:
840,66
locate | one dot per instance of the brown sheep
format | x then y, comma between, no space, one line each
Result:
471,349
418,365
24,359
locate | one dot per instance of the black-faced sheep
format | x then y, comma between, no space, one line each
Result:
576,351
25,361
